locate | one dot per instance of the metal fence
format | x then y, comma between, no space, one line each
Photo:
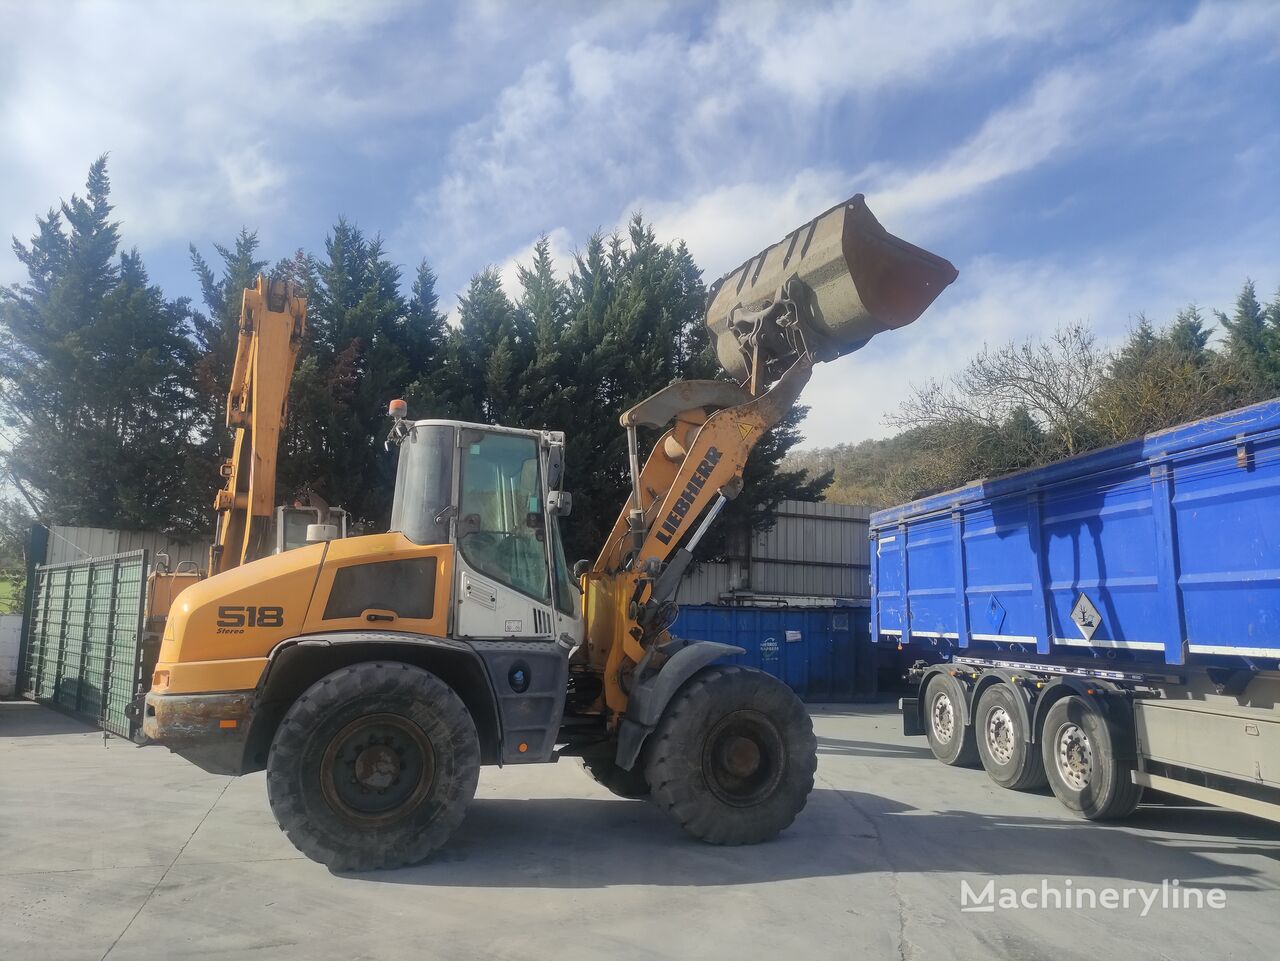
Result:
84,652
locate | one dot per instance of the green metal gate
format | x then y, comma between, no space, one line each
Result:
85,650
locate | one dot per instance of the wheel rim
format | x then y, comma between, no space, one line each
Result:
943,715
1000,735
377,769
743,758
1074,756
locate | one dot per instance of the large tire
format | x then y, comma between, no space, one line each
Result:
1080,758
1010,759
604,771
733,758
950,739
373,767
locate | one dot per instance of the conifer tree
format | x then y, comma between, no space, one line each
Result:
97,374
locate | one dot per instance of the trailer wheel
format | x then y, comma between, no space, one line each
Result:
1080,759
951,740
373,767
1007,756
733,758
625,784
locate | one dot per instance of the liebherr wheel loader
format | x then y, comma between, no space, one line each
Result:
373,676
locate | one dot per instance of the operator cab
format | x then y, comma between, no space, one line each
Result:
494,494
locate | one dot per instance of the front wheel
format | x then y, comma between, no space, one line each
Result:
732,760
373,767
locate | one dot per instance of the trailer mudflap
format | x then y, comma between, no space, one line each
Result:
911,724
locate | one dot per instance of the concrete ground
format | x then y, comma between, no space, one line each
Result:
108,850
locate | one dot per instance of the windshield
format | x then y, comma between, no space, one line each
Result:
501,524
424,485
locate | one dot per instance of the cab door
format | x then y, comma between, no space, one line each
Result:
504,576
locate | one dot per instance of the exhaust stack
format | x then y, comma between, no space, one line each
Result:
824,290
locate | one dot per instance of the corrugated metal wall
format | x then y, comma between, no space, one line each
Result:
70,544
816,550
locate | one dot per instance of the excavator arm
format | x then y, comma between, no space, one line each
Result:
272,320
822,292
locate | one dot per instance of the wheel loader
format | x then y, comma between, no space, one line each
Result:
373,676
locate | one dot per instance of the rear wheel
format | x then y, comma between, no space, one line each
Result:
733,758
373,767
951,740
1080,758
1010,759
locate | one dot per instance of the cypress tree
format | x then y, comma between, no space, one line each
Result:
98,369
1246,340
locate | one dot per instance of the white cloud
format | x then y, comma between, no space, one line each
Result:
815,53
658,115
194,102
1117,94
1037,128
726,225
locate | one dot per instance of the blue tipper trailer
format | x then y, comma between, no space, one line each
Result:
1108,623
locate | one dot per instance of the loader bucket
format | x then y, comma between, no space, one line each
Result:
826,288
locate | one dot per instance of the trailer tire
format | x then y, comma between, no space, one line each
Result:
1082,763
625,784
950,739
733,758
373,767
1008,756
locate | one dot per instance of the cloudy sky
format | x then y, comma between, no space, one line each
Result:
1074,160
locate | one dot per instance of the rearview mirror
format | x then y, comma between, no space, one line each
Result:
560,503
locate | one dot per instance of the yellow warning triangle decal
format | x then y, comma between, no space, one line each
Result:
744,430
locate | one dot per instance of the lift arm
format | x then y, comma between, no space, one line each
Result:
272,320
822,292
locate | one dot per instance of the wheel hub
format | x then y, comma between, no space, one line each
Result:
1000,735
944,717
1074,756
377,769
743,758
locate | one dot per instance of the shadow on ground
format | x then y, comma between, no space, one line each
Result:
29,719
594,843
847,748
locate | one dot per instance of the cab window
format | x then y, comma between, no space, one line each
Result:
501,520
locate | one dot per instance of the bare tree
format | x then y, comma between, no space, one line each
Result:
1051,380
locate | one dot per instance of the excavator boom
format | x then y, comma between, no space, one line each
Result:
272,320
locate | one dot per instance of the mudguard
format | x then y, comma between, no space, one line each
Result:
649,698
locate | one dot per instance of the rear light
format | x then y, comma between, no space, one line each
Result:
160,681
